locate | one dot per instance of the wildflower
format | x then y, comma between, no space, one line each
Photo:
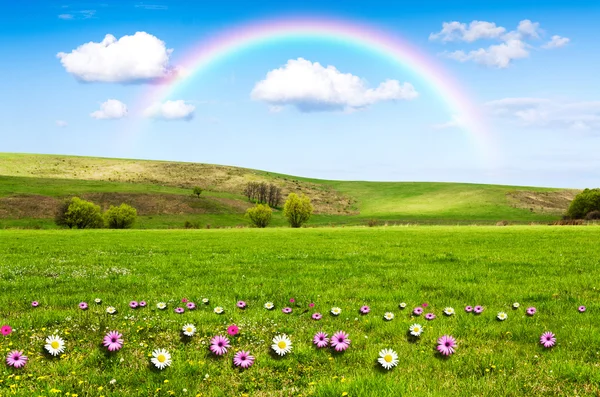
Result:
161,305
311,305
190,305
184,300
548,339
417,311
269,305
336,311
425,304
389,316
516,305
143,303
292,300
502,316
402,306
241,304
531,311
429,316
205,301
6,330
415,330
469,309
321,339
233,330
111,310
243,359
581,309
98,301
161,358
189,330
112,381
317,316
113,341
133,304
35,303
388,358
287,310
219,345
340,341
478,309
218,310
83,306
365,309
446,345
55,345
282,344
179,310
16,359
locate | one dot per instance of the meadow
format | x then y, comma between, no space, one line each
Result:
555,269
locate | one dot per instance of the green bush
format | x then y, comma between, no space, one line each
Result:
197,191
593,215
121,217
260,216
297,209
79,214
584,203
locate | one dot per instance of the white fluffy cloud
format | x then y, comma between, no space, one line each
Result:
312,87
513,44
171,110
61,123
138,58
111,109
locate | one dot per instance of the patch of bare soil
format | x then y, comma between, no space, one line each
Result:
28,206
552,202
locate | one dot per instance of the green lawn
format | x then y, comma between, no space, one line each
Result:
555,269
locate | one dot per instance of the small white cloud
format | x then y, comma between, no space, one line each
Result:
456,31
152,6
138,58
66,16
61,123
111,109
497,55
171,110
83,14
311,87
556,42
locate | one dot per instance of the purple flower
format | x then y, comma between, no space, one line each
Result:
429,316
6,330
190,305
311,305
219,345
133,304
243,359
287,310
321,340
113,341
425,304
143,304
548,339
365,309
241,304
446,345
35,303
317,316
581,309
340,341
83,306
478,309
184,300
469,309
179,310
417,311
16,359
531,311
233,330
292,300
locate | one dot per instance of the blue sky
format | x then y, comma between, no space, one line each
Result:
529,67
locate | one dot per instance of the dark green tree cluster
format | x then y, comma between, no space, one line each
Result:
584,204
76,213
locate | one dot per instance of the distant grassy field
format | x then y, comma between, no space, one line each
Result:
555,269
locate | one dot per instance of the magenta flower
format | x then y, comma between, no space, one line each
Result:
184,300
133,304
287,310
531,311
241,304
469,309
292,300
35,303
113,341
143,304
5,330
548,339
340,341
179,310
311,305
425,304
233,330
190,305
317,316
16,359
478,309
417,311
429,316
446,345
243,359
219,345
365,309
320,339
581,309
83,306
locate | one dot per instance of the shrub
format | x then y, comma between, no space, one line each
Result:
593,215
79,214
297,209
191,225
584,203
197,191
502,223
372,222
121,217
260,216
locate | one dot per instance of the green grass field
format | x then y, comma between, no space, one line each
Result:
555,269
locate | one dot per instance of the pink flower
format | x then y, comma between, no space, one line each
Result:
16,359
531,311
446,345
83,306
469,309
417,311
311,305
581,309
548,339
340,341
429,316
5,330
241,304
365,309
133,304
425,304
478,309
243,359
190,305
219,345
35,303
233,330
113,341
184,300
179,310
287,310
321,339
292,300
317,316
143,304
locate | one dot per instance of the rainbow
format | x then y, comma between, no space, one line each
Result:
227,43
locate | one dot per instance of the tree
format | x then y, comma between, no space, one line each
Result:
79,214
121,217
584,203
198,191
297,209
263,193
260,216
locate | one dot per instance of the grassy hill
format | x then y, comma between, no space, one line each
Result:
31,186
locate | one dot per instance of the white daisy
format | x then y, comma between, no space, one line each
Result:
269,305
161,358
282,344
388,358
415,330
449,311
219,310
502,316
389,316
111,310
55,345
161,305
205,301
189,329
336,311
516,305
402,305
98,300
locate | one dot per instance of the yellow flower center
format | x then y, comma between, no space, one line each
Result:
416,329
282,345
188,329
161,358
388,358
55,345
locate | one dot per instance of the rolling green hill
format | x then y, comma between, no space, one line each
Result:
31,186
